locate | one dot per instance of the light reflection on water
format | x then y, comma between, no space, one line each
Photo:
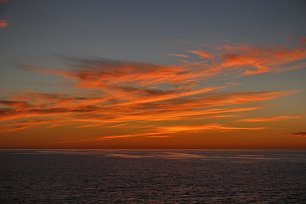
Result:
152,176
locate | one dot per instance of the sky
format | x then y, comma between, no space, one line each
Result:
152,74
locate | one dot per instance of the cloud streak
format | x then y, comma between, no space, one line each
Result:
169,130
298,134
201,53
3,23
249,59
262,58
270,119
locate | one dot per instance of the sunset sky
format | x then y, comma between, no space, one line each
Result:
152,74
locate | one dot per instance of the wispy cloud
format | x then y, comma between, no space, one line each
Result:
270,119
204,127
298,134
124,96
115,94
178,55
201,53
249,59
20,125
129,135
171,130
261,58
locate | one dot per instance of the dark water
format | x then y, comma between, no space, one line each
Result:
152,176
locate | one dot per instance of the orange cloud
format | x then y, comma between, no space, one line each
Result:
201,53
128,135
225,116
205,127
263,59
14,104
270,119
221,99
250,59
298,134
120,77
20,125
144,105
169,95
116,95
167,131
108,74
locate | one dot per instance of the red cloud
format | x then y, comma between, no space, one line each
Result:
3,23
298,134
303,40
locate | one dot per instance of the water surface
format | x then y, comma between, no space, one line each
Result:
152,176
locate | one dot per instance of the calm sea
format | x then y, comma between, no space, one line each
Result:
152,176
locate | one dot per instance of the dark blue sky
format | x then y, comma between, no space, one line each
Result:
143,30
137,30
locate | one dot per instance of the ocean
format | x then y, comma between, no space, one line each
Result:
152,176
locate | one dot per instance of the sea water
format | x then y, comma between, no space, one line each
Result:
152,176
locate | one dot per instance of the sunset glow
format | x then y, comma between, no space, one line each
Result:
213,93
